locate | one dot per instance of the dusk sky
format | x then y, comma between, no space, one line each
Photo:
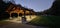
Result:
37,5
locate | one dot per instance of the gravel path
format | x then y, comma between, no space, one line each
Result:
19,25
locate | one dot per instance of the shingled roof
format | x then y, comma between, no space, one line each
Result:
15,7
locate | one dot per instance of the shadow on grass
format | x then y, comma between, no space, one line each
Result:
46,21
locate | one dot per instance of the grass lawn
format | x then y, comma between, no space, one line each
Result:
51,21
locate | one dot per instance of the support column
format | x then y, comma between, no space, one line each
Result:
18,15
30,14
10,16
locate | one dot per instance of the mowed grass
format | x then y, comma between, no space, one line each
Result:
51,21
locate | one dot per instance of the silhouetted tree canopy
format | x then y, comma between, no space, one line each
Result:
54,10
3,7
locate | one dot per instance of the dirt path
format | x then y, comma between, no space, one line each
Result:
19,25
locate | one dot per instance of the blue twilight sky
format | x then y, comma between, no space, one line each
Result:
37,5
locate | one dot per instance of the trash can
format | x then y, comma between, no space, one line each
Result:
24,20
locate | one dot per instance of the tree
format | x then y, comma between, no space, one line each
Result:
54,10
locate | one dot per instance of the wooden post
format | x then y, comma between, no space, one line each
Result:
18,15
30,14
24,13
10,16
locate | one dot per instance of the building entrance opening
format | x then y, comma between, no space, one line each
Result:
14,15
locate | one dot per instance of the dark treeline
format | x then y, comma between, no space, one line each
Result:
54,10
3,7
